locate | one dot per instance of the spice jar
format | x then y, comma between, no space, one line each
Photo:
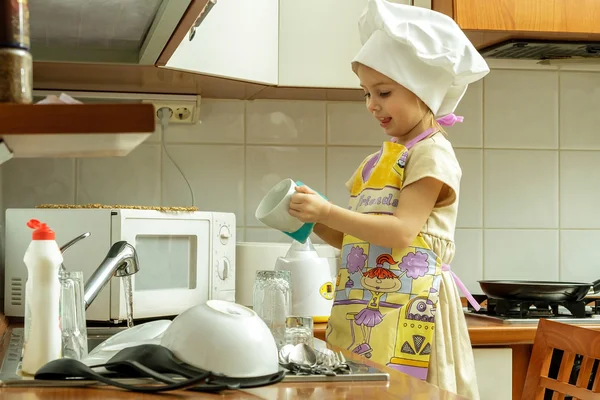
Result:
16,64
14,24
16,77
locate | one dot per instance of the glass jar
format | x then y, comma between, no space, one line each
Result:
14,24
273,301
16,76
16,64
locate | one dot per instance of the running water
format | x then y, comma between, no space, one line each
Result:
128,289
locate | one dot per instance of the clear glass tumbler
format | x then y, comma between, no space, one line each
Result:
273,301
299,330
72,316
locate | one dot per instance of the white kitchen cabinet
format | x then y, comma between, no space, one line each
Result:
494,372
317,41
307,43
237,39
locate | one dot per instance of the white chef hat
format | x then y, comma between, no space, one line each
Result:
423,50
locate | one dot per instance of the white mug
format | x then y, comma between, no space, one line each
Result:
273,209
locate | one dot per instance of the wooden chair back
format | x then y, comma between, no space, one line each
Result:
564,363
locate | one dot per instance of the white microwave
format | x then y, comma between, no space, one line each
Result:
185,258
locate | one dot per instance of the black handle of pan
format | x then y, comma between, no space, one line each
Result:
596,286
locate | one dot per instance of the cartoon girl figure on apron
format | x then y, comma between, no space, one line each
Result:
377,281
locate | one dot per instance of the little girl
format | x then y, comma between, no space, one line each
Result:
396,300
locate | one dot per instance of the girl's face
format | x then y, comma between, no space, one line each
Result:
396,108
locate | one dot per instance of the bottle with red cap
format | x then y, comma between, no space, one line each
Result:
43,339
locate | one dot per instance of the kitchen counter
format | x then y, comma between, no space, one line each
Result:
483,333
399,386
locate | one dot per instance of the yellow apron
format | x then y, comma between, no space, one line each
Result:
385,298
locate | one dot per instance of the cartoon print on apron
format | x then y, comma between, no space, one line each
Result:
385,298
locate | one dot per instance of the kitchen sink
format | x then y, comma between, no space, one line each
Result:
11,365
13,348
98,335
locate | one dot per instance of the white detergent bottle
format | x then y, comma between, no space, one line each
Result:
43,341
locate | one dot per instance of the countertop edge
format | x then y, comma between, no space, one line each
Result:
487,333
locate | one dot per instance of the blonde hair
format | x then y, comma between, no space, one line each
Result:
431,120
436,125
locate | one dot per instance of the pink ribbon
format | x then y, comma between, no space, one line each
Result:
446,120
450,119
462,288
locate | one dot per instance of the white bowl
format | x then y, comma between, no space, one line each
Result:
146,333
223,337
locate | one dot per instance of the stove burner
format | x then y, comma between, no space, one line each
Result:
531,309
535,309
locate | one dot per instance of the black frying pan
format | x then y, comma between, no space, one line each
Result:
537,290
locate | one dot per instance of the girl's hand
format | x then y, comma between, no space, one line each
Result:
308,206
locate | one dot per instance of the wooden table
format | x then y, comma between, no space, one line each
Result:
400,386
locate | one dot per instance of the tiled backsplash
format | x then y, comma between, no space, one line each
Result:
529,149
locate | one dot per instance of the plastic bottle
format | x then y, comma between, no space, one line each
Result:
43,341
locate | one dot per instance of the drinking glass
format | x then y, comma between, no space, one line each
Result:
273,301
299,330
72,315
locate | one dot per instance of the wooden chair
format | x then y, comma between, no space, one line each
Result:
564,362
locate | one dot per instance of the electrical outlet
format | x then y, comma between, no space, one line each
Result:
183,112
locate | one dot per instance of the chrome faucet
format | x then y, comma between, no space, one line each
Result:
120,261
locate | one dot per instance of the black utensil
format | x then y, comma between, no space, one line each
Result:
162,360
159,360
129,369
153,356
67,368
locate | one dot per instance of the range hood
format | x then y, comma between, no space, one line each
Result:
545,51
544,31
131,32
